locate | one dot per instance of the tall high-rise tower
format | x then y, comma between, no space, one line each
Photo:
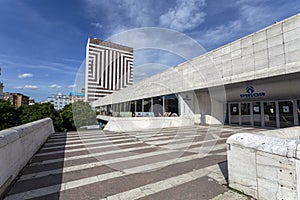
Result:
109,67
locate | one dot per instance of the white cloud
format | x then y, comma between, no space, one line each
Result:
220,34
54,86
186,15
72,86
97,25
25,75
125,14
31,87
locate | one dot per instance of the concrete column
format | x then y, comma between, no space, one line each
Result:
295,113
186,104
164,110
229,114
151,105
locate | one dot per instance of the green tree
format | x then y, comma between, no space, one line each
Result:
9,116
83,114
67,117
40,111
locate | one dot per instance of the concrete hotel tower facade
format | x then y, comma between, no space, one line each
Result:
109,67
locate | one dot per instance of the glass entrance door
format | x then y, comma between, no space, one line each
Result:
246,115
298,111
234,113
256,114
286,115
270,114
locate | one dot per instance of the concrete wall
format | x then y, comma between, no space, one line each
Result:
18,145
123,124
187,104
265,165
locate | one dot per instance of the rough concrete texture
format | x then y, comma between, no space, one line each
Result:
18,145
122,124
265,165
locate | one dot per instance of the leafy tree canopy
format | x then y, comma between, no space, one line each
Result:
9,116
71,116
40,111
83,114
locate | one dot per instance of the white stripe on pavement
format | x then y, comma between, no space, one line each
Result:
93,164
159,186
94,179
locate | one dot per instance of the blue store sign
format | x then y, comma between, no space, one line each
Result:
250,93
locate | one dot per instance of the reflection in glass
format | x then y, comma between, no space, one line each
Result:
245,112
171,105
256,114
132,107
158,106
147,105
298,111
286,116
270,114
139,106
234,113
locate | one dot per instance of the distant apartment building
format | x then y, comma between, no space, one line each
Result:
109,67
76,96
16,99
59,101
31,102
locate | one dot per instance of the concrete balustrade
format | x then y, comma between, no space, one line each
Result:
17,147
121,124
265,165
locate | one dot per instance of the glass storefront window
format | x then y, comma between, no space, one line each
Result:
147,105
132,107
139,106
158,106
286,115
298,111
121,107
270,114
171,105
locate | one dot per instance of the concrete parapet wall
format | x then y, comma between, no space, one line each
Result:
205,119
18,145
122,124
265,165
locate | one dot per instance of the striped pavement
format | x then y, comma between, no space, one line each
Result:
169,163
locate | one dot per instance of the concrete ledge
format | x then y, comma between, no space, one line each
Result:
18,145
265,165
123,124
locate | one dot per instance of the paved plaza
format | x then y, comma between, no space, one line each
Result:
170,163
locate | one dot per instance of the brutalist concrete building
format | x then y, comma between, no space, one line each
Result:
253,81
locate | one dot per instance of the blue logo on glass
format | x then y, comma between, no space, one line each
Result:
251,94
250,89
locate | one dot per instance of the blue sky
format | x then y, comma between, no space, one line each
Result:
42,42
